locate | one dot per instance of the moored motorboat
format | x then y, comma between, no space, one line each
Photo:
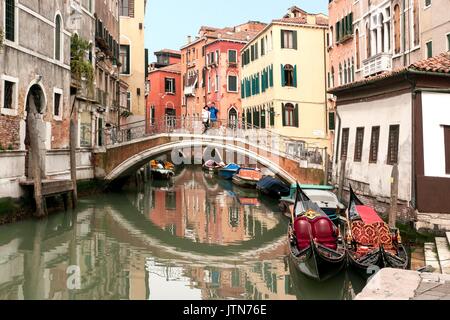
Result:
371,243
316,248
212,166
247,177
229,171
323,196
161,170
273,187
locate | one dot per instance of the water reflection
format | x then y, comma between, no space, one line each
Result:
194,238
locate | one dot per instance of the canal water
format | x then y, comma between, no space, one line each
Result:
196,237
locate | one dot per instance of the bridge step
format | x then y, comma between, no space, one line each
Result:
431,257
443,251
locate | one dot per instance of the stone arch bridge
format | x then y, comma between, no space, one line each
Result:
127,149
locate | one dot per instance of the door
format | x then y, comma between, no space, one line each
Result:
232,118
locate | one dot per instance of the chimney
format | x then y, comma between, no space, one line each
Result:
189,39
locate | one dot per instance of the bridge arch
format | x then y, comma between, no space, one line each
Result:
138,160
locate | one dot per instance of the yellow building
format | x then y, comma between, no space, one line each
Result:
133,55
283,78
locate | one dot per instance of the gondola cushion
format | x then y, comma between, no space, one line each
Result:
321,229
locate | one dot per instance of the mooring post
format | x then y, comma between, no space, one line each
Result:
73,161
394,197
342,178
35,157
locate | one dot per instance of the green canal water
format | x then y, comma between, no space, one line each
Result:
196,237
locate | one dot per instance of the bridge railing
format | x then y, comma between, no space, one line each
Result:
295,149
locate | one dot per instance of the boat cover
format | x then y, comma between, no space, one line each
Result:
249,174
368,215
274,185
231,167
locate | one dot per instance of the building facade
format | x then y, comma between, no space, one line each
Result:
284,79
400,118
164,78
207,70
133,56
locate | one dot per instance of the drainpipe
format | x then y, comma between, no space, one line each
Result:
404,33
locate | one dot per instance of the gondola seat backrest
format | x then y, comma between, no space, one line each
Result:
363,234
303,232
325,232
384,234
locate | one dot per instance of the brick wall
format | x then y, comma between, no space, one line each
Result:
9,132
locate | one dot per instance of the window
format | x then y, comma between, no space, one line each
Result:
344,146
447,148
368,43
331,121
289,76
58,38
125,59
169,85
288,39
429,45
232,83
359,141
263,47
8,97
232,56
290,115
374,143
427,3
126,8
397,28
129,100
394,132
57,112
448,42
10,20
416,23
217,83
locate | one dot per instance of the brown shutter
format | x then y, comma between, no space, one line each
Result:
447,148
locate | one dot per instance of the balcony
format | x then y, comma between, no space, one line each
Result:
102,98
380,62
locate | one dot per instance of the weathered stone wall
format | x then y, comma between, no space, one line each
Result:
9,132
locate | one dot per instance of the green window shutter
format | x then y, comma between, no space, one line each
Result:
263,82
296,116
258,84
282,76
263,118
272,117
331,121
337,31
242,90
295,40
295,76
351,22
283,113
271,76
282,39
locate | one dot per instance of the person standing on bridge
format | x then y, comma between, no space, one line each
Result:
213,115
206,117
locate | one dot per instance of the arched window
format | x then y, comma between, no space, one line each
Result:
345,72
58,38
332,77
358,58
397,28
340,74
353,69
290,115
349,71
383,46
368,44
289,77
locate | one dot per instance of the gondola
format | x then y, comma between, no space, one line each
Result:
212,166
161,170
273,187
370,241
247,177
229,171
316,248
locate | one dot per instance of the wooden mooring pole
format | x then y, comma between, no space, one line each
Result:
35,158
394,197
342,179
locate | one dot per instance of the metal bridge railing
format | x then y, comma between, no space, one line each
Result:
254,136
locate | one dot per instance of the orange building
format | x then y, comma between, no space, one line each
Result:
210,69
164,81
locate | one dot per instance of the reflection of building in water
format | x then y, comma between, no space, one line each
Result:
196,210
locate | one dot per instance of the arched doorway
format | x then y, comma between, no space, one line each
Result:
35,106
232,118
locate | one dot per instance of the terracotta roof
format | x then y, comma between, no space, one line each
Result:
174,68
169,51
299,20
437,64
